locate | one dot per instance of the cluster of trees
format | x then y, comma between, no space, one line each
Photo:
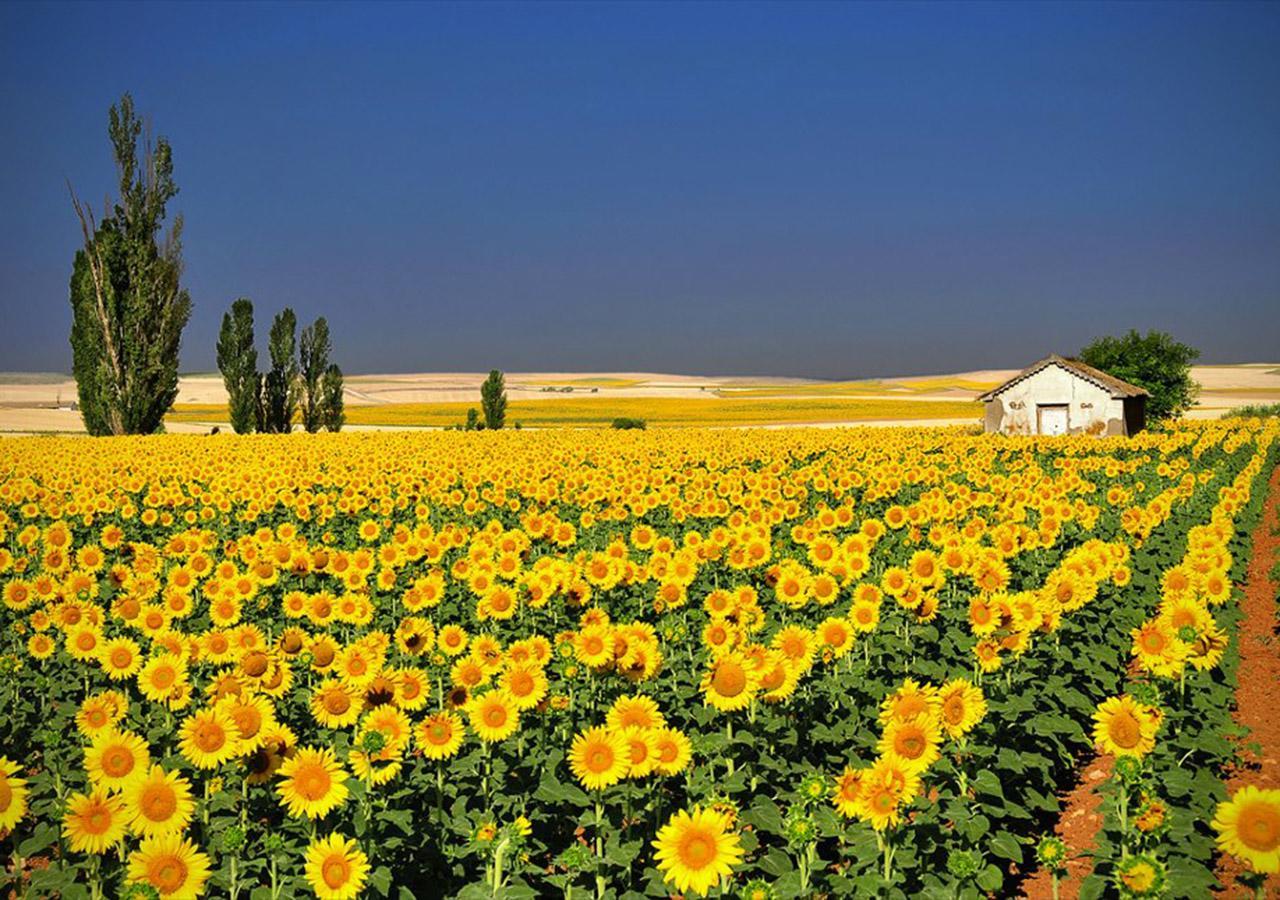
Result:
128,310
301,383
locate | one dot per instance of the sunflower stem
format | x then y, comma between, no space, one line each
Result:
599,847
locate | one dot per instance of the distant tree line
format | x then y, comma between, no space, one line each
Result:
301,383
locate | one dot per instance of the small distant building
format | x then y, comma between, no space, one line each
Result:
1065,396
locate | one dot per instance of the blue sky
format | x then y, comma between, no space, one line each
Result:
822,190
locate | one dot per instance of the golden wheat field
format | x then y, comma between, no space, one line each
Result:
800,663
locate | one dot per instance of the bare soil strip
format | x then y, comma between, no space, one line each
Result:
1259,679
1077,826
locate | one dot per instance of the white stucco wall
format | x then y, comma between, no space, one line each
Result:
1090,409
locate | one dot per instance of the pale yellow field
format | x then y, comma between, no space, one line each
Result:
29,402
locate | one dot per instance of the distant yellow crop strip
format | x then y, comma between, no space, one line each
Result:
657,411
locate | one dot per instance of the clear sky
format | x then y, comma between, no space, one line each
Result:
828,190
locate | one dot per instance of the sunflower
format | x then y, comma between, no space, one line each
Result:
847,790
93,821
1140,876
209,738
116,759
696,849
98,713
335,704
913,743
731,683
336,868
313,783
885,787
598,758
778,678
13,795
1124,727
275,747
493,716
673,751
634,710
252,716
963,707
120,658
642,751
439,736
836,635
159,676
1248,827
525,684
593,645
912,700
158,803
170,864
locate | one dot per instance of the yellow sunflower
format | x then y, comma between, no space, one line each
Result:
159,803
93,821
171,864
13,794
696,849
1124,727
313,783
634,710
963,707
208,738
336,868
493,716
642,751
116,759
335,704
439,736
598,758
525,685
673,751
913,742
1248,827
846,792
120,658
730,683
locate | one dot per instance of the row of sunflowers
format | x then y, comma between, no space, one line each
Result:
827,662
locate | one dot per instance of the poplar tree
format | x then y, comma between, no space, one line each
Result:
332,414
128,308
493,400
313,359
238,363
279,386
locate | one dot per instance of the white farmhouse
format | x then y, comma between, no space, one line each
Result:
1064,396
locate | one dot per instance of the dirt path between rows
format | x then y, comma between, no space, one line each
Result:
1259,678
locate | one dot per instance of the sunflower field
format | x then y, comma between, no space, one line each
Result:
620,664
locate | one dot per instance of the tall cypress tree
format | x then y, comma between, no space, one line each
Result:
493,400
332,412
279,386
128,308
238,363
313,357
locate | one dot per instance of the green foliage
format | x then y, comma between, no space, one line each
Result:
279,386
238,363
127,306
331,407
473,420
624,424
1254,411
493,400
313,363
1154,361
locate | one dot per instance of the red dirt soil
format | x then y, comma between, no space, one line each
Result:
1259,679
1077,826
